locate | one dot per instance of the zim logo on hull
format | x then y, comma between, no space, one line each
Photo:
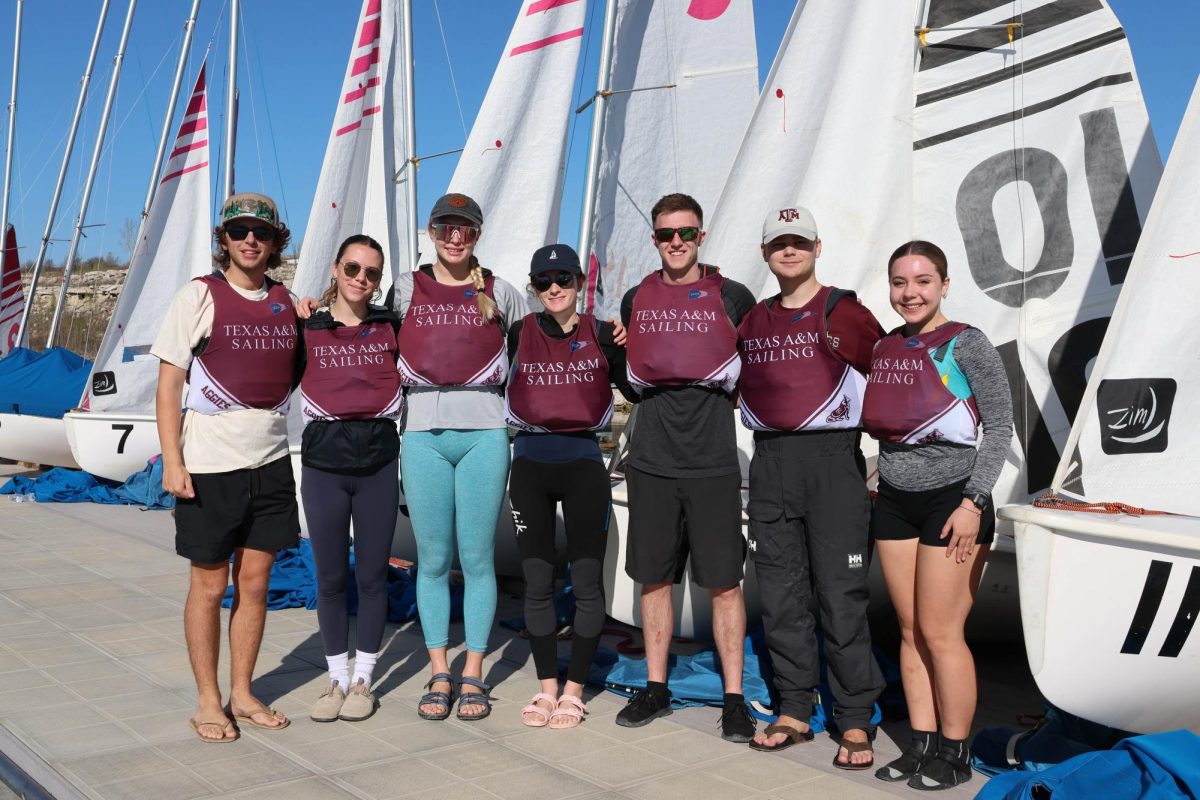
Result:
1135,414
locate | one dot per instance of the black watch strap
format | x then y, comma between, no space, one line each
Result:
978,498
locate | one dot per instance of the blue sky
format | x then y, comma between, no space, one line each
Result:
297,52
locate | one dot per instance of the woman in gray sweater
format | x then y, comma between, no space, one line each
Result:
933,384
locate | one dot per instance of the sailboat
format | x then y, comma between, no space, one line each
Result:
1018,142
1113,642
114,431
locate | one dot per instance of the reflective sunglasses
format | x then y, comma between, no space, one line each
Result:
564,279
443,231
262,233
352,268
686,234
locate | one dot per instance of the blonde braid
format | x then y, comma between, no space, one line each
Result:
487,306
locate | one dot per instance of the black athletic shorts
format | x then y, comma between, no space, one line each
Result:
921,515
254,508
672,518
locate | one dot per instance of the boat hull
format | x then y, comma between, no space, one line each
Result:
112,445
1107,606
36,440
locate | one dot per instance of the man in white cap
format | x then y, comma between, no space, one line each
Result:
231,337
805,354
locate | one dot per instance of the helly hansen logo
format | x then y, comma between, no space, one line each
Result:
1135,414
854,560
788,215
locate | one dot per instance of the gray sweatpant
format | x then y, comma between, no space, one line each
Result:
809,512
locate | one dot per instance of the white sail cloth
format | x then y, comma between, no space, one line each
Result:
1135,440
364,159
175,246
694,71
512,164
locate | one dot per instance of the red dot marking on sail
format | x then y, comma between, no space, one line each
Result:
499,145
779,93
1185,255
707,9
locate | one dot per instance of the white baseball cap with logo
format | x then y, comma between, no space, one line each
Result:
795,220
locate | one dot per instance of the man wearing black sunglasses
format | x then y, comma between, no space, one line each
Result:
682,471
231,337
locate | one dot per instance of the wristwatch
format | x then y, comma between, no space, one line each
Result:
978,498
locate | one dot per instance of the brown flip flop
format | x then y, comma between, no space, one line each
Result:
794,736
851,749
248,719
225,724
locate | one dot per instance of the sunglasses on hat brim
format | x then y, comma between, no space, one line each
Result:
543,281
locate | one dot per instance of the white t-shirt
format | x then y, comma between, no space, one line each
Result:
242,439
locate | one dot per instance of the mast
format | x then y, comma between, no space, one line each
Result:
587,219
62,172
410,135
188,26
231,101
69,264
12,120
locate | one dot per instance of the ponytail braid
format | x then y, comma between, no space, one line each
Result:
487,306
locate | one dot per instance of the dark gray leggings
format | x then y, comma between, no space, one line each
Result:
331,501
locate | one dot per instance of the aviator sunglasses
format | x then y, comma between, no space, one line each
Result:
352,268
542,282
444,231
262,233
686,234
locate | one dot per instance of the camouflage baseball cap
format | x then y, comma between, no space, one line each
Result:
254,206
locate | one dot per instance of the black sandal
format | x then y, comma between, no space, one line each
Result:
442,699
479,698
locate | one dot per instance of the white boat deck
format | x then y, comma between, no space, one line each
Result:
96,692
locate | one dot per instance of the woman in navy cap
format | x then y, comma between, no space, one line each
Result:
455,456
559,394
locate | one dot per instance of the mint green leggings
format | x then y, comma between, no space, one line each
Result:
454,483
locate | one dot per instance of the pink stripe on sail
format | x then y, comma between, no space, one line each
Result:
353,126
361,91
546,5
549,40
196,104
373,7
184,171
373,110
707,9
364,63
189,128
369,33
187,148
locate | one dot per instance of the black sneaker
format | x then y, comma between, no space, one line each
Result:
644,706
736,724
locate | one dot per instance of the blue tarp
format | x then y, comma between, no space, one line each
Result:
62,485
1160,766
48,384
1057,737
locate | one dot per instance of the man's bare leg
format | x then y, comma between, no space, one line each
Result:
251,572
729,631
202,631
658,623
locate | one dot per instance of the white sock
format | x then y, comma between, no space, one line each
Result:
339,670
364,667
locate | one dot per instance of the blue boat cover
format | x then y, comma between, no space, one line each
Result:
1159,766
1058,736
16,358
46,385
62,485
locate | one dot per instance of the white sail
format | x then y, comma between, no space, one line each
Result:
831,132
175,246
12,298
1034,166
684,79
512,163
1134,440
356,192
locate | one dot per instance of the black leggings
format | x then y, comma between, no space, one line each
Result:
331,501
535,489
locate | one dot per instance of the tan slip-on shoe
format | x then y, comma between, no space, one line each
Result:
360,703
328,705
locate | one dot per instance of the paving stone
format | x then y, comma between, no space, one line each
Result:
77,742
307,789
41,697
762,772
398,777
119,766
344,751
41,721
539,782
621,766
255,769
690,747
688,786
178,784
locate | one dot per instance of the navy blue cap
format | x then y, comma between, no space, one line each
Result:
554,258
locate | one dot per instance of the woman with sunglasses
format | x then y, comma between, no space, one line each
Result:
351,397
932,384
559,393
455,456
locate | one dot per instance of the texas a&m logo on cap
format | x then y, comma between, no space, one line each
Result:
788,215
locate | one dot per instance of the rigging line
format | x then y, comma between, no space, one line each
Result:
271,134
262,177
1018,130
583,57
215,200
453,84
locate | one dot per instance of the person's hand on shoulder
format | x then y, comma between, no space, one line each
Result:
305,307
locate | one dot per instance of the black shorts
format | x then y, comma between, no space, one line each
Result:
921,515
254,508
672,518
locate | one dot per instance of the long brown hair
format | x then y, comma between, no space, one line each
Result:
283,236
358,238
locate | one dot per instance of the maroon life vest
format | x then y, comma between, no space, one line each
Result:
791,379
444,340
907,400
680,335
250,358
351,373
559,385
